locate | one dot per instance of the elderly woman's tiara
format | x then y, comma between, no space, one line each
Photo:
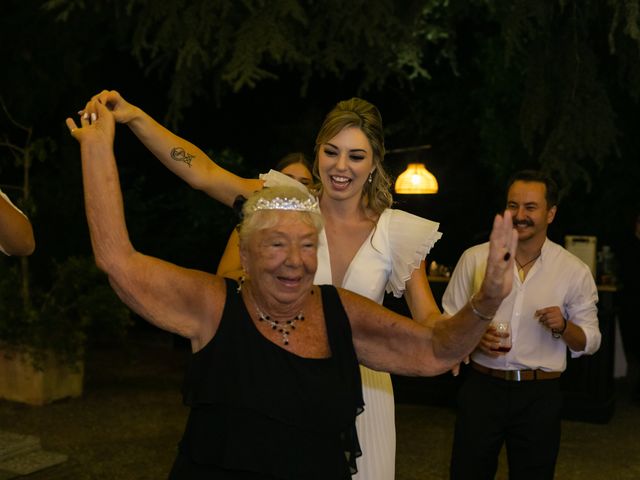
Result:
310,204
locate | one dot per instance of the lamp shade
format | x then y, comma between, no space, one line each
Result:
416,179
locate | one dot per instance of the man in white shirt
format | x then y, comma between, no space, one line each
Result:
16,233
513,397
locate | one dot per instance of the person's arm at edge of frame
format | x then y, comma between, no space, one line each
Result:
176,299
230,265
387,341
177,154
16,232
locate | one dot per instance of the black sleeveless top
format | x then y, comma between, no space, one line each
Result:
259,411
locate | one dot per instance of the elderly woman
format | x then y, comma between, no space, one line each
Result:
274,385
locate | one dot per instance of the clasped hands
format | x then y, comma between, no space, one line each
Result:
96,124
106,104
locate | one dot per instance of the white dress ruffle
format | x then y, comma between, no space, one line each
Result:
411,238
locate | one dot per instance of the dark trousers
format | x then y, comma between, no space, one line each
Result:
525,416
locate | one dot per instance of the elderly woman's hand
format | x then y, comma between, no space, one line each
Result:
96,125
498,278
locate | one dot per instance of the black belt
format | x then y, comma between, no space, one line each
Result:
516,375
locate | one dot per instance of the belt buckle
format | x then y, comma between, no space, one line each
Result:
513,375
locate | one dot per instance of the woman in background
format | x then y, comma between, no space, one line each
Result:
296,166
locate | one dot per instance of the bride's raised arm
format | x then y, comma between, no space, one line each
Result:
177,154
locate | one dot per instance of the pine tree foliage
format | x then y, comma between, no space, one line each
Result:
567,119
551,74
210,46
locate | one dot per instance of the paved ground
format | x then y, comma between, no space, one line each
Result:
130,417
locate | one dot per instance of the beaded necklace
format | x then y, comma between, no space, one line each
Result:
283,326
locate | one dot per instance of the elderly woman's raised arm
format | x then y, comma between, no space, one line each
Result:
177,154
176,299
390,342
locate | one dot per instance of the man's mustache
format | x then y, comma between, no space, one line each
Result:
524,223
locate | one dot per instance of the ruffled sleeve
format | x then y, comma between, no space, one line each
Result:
410,238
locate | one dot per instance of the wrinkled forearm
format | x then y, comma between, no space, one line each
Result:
390,342
104,206
456,337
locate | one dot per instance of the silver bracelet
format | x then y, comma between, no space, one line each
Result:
487,318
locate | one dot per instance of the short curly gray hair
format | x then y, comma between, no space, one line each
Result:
263,209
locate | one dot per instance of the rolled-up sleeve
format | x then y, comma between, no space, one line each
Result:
582,310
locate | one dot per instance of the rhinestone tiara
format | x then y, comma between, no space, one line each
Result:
309,204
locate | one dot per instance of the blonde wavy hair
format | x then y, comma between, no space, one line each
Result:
359,113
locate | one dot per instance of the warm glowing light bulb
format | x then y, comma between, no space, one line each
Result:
416,179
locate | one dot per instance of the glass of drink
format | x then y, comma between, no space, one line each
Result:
502,330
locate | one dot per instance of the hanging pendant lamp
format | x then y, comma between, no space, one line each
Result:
416,179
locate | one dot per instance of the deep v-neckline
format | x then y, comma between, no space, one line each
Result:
347,271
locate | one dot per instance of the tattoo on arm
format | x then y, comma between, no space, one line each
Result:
180,155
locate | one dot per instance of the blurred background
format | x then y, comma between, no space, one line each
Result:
492,87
